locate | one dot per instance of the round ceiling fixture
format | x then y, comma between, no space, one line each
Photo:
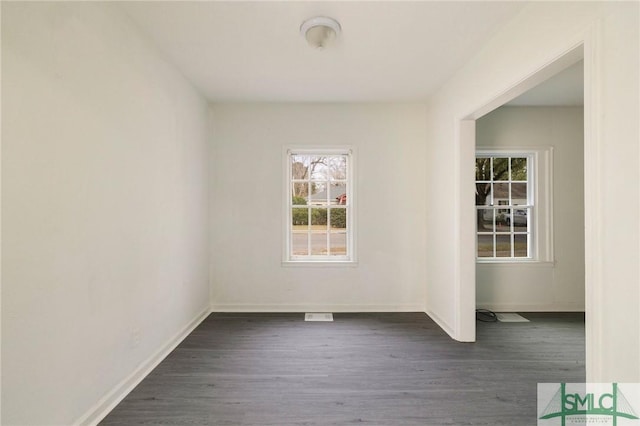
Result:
320,31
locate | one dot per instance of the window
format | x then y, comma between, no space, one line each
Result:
505,206
319,213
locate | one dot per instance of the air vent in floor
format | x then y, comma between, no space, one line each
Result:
318,316
510,317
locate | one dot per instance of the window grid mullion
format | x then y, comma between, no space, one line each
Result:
491,200
328,230
495,245
325,206
512,232
308,218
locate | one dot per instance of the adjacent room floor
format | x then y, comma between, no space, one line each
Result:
378,369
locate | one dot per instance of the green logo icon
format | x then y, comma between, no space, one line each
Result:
566,404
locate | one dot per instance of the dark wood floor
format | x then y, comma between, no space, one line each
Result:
376,369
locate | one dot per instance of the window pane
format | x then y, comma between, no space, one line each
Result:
299,243
319,243
500,194
519,193
338,194
503,245
485,245
318,202
483,169
520,245
299,167
502,187
508,219
318,194
338,219
518,169
500,169
319,169
338,167
503,219
483,194
485,220
300,192
520,220
299,218
318,218
338,241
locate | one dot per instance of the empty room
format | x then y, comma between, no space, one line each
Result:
262,213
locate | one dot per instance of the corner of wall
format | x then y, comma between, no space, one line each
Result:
103,407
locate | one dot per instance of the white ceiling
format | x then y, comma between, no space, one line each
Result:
253,51
563,89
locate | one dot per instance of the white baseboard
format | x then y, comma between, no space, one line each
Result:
100,410
246,308
441,323
523,307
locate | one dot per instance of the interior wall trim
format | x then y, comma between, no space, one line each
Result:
292,308
103,407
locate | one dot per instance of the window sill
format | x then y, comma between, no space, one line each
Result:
319,263
519,262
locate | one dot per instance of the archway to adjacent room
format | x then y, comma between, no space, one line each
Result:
466,293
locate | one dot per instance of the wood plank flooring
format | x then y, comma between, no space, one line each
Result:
375,369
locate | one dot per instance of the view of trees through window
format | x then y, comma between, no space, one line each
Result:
319,205
503,206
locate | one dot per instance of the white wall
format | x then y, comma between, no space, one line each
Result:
104,185
248,197
541,33
541,286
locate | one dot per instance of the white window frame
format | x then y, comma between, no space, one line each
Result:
350,258
540,191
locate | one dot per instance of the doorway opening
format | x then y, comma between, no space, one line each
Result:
474,132
529,181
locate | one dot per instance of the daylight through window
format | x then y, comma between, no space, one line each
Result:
504,206
319,212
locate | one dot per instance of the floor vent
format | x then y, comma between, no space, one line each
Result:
318,316
510,317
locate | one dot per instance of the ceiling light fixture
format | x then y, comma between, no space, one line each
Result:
320,31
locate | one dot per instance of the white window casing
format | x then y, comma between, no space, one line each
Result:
538,204
324,228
